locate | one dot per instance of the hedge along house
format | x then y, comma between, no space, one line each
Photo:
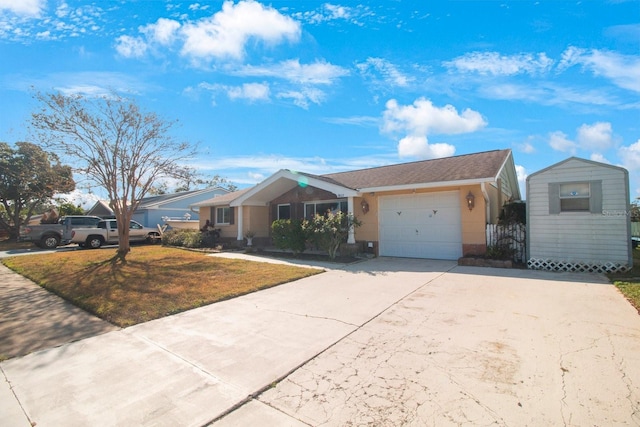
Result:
578,217
427,209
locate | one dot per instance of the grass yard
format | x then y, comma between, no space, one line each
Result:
629,283
155,282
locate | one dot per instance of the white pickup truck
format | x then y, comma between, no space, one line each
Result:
107,234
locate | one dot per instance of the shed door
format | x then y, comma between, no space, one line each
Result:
421,225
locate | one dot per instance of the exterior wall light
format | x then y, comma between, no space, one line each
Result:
471,200
365,206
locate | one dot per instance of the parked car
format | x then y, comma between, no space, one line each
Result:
49,236
107,233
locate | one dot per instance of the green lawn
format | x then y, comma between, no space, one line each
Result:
155,282
629,282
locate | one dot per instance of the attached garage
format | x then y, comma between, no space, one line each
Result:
422,225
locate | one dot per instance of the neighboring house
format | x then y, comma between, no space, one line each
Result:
578,217
155,209
428,209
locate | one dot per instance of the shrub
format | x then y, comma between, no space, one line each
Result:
499,251
289,234
184,238
329,231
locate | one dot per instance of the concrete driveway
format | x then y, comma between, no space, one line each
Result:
383,342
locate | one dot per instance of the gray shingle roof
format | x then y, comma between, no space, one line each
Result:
458,168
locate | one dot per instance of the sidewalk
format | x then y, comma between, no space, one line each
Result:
33,319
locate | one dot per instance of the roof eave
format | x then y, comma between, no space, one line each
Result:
424,185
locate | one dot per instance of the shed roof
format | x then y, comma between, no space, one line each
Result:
578,159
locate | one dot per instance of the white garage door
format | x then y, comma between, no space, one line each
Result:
421,225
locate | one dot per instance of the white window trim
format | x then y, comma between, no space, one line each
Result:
228,208
319,202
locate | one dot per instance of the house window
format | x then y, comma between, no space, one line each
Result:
284,211
313,208
223,215
574,197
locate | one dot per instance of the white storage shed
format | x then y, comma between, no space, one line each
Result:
578,217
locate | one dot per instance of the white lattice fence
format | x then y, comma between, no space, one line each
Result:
552,265
512,236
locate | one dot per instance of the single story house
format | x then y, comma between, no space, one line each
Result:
578,217
427,209
154,210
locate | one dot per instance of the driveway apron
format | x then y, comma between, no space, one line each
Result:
383,342
477,347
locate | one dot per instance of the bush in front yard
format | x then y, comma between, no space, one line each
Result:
289,234
329,231
184,238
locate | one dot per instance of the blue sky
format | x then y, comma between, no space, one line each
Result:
323,87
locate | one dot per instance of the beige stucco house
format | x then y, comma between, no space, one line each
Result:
427,209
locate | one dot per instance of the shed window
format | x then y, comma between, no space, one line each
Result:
574,197
284,211
223,215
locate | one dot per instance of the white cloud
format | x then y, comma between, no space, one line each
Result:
630,156
338,12
330,12
90,84
304,96
418,146
131,47
596,157
526,147
421,119
622,70
163,32
364,121
493,63
250,91
198,6
62,11
29,8
559,142
595,137
546,94
319,72
225,34
388,71
18,23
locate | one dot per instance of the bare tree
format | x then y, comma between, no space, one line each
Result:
114,144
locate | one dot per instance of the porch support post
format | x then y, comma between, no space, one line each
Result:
240,225
352,235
